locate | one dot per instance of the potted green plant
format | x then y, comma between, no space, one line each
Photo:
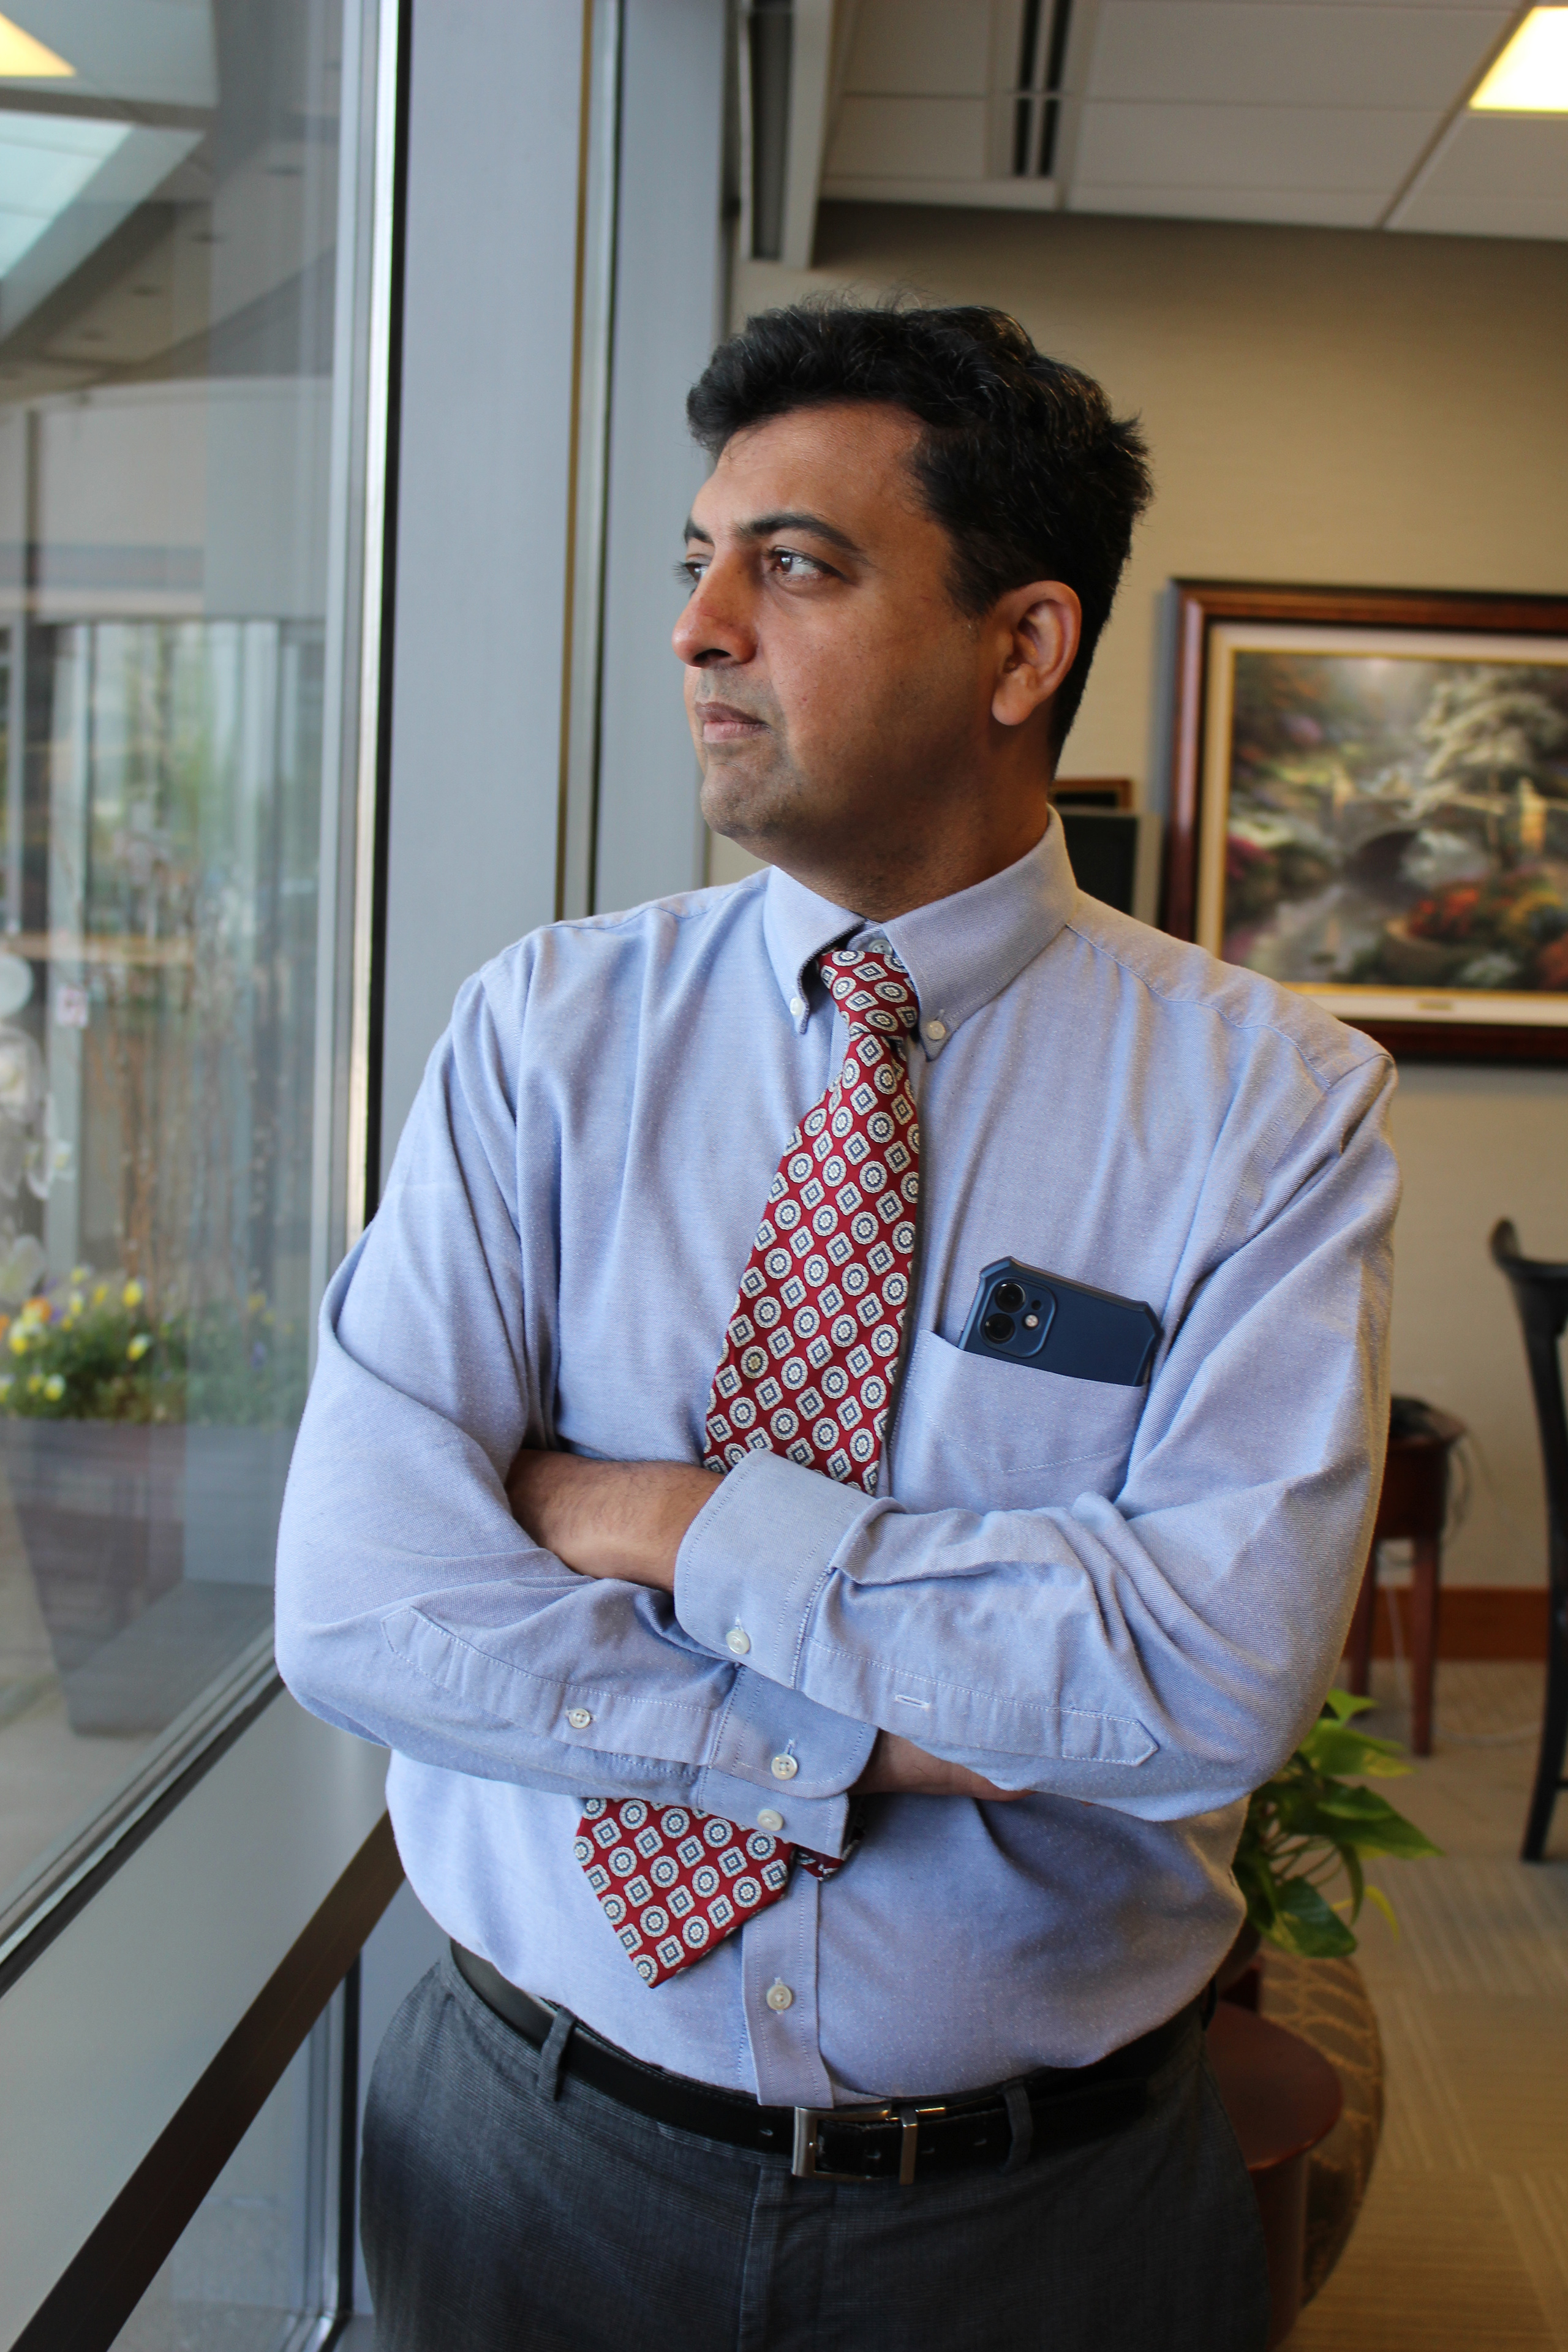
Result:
140,1443
1310,1824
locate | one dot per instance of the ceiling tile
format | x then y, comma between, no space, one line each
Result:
1344,148
1237,52
908,138
1295,207
1494,177
921,48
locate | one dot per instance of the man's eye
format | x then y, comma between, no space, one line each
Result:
690,568
796,566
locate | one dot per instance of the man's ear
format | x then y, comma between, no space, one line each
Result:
1040,628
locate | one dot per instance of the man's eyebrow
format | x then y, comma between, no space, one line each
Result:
765,526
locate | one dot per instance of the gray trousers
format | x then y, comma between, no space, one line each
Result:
507,2212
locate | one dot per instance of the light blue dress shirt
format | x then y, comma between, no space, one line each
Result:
1126,1601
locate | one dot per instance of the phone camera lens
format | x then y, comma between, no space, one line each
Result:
1007,1296
998,1328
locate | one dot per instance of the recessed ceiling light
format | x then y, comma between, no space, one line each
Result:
22,59
1531,75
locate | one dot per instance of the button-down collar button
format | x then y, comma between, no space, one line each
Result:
770,1818
578,1717
798,1005
936,1031
738,1640
784,1768
778,1995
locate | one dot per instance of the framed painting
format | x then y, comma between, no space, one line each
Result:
1369,804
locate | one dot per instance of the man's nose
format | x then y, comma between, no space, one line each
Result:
716,624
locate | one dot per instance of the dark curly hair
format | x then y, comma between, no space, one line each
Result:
1021,461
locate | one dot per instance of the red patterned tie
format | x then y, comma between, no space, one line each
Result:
807,1370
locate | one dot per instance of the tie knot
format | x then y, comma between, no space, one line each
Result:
871,988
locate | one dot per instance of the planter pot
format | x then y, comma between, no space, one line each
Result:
151,1550
99,1506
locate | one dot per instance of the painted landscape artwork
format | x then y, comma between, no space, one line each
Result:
1397,821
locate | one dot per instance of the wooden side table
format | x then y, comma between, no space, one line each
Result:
1412,1507
1282,2097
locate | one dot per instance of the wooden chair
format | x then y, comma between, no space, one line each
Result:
1411,1508
1541,1295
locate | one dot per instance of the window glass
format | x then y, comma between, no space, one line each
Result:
169,305
245,2272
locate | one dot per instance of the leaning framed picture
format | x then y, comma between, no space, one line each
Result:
1369,804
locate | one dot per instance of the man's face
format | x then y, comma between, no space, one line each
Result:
836,692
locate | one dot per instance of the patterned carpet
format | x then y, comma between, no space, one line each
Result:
1462,2244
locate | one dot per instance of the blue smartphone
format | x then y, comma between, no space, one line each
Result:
1022,1315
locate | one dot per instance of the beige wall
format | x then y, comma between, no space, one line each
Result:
1334,406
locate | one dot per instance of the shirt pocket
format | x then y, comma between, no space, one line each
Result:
975,1434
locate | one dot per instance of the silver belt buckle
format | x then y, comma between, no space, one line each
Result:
809,2121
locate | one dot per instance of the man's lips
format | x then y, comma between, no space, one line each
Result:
721,722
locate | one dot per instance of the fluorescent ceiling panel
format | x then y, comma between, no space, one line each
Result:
46,161
159,51
1531,75
22,59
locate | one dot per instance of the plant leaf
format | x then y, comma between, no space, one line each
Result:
1306,1924
1335,1748
1376,1895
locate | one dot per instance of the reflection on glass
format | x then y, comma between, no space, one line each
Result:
169,191
241,2274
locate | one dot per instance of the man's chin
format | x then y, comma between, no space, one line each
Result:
747,811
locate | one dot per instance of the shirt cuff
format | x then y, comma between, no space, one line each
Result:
785,1764
756,1557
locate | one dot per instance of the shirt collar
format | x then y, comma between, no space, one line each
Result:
959,951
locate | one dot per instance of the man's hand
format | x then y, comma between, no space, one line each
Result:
897,1767
626,1519
623,1519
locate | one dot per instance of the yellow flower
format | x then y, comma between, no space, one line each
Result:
34,1384
54,1388
139,1346
76,1302
18,1342
100,1293
255,1302
133,1294
81,1273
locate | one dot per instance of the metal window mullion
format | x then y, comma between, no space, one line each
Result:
599,204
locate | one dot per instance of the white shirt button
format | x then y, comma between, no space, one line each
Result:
770,1819
936,1031
738,1640
578,1717
784,1768
778,1995
798,1005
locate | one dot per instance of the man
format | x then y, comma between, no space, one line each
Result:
826,1741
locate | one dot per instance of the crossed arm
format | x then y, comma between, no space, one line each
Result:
628,1520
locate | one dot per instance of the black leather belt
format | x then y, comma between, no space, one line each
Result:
895,2139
